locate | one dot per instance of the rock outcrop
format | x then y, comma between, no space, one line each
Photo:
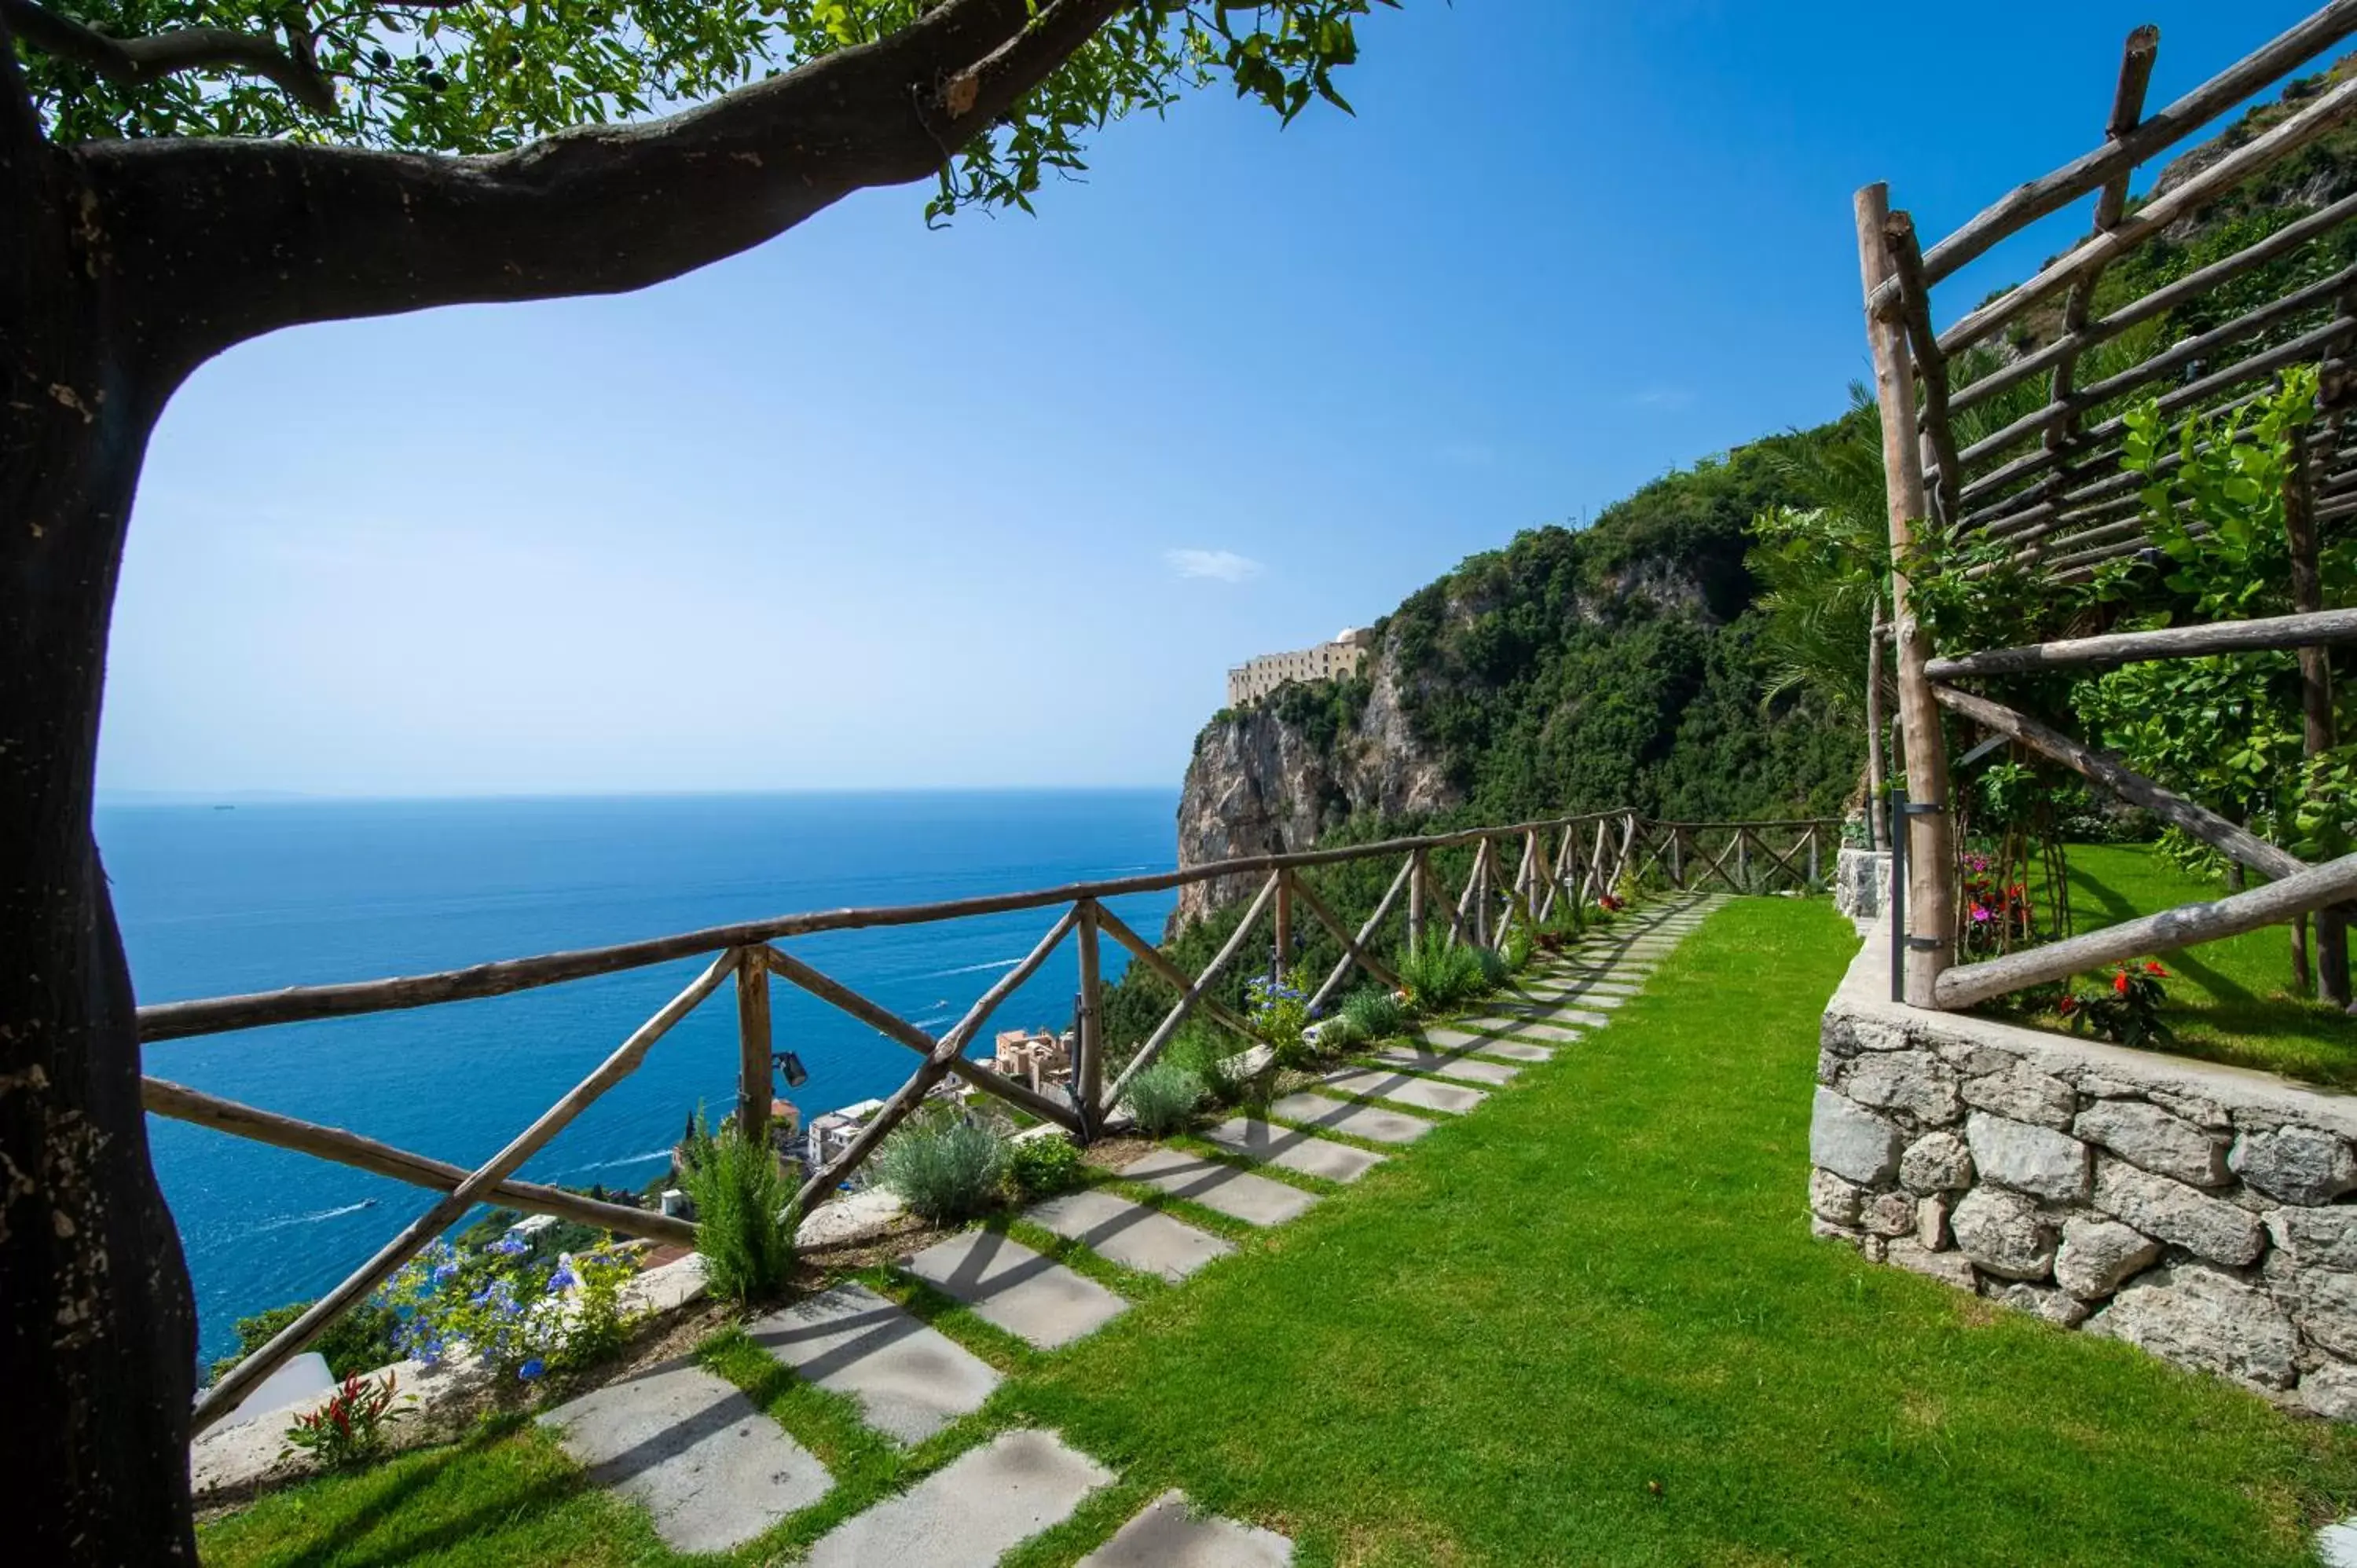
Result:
1260,783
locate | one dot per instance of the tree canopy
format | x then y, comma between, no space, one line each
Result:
468,76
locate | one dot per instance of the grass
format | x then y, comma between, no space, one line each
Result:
1585,1325
2228,1001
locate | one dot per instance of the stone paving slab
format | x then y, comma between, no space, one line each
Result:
1451,1037
1514,1050
1522,1022
1168,1536
1449,1064
1012,1287
1302,1152
708,1463
1546,1032
1370,1122
910,1379
1420,1092
1219,1186
971,1512
1129,1233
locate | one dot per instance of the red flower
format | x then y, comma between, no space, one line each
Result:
2154,969
2120,982
2070,1004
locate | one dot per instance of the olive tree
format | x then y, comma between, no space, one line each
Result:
179,176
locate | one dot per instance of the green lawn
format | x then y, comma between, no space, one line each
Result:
1585,1325
2229,1000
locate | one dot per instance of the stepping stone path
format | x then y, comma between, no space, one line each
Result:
1168,1536
1302,1153
910,1379
1406,1090
1010,1286
971,1512
715,1470
1370,1122
708,1463
1129,1233
1219,1186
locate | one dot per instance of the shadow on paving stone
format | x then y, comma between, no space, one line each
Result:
710,1465
910,1379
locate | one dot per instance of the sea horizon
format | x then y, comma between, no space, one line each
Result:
289,892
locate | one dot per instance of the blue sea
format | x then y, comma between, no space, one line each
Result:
215,901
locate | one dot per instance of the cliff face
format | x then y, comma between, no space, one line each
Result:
1268,780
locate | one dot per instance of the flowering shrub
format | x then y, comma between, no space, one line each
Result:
2127,1011
350,1429
510,1313
1996,913
1278,1008
1041,1168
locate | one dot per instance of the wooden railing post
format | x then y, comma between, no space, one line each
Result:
1283,921
1930,894
1087,1027
1678,858
1419,876
1816,864
1743,860
753,1049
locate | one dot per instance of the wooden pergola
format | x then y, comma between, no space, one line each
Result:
2049,484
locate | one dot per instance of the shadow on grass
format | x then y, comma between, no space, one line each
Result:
2117,908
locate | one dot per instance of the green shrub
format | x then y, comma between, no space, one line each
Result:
1495,972
1440,975
1339,1033
502,1307
944,1165
1211,1055
1375,1013
1163,1097
1518,950
1278,1007
1043,1166
361,1340
745,1213
348,1431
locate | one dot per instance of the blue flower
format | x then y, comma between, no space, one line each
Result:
564,1279
511,1246
530,1369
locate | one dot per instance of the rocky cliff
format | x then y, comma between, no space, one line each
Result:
1273,778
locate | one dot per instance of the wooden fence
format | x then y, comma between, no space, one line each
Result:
1559,867
2048,486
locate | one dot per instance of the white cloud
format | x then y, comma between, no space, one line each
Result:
1220,566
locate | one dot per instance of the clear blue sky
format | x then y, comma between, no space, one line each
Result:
873,506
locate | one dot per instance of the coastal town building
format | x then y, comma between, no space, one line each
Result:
1038,1057
1256,678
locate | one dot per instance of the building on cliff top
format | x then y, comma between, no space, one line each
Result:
1256,678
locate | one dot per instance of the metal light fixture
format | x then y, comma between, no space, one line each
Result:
791,1066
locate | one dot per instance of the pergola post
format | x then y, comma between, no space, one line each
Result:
1931,861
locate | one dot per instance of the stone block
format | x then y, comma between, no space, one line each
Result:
2316,1238
2295,1163
971,1512
2147,1137
1169,1534
2022,1093
1948,1268
1931,1223
2330,1390
2059,1307
1916,1082
2174,1212
910,1380
2202,1317
2098,1255
2003,1233
1834,1199
1937,1162
2028,1158
1888,1214
1847,1139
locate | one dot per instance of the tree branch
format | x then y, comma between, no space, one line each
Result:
135,60
225,238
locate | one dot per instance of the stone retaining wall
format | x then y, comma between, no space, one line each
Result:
2193,1210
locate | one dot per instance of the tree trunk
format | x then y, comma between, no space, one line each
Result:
97,1322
